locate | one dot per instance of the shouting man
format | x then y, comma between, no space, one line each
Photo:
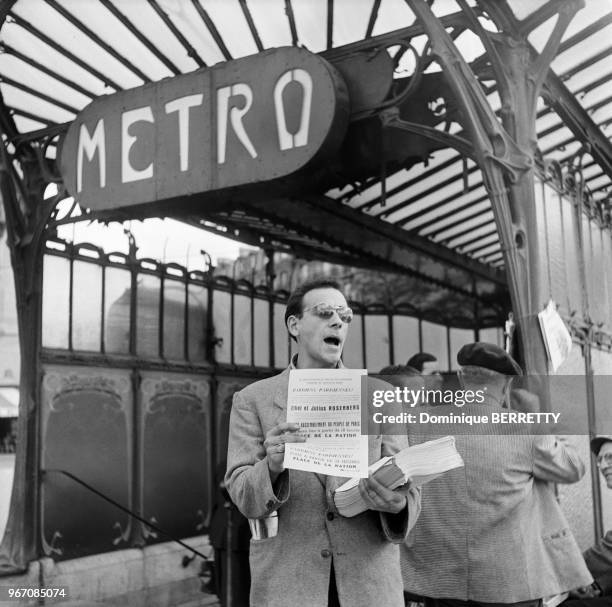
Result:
303,551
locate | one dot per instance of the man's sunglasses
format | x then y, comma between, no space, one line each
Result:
326,311
604,459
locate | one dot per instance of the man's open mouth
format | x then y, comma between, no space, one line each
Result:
332,341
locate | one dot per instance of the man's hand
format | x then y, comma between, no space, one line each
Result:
585,592
378,497
274,445
524,401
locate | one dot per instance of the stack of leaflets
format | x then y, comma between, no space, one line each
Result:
419,464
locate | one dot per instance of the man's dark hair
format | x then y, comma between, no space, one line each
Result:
296,299
398,375
392,370
416,362
397,370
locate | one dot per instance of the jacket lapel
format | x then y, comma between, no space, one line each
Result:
279,400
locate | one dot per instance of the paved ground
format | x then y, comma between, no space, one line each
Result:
7,466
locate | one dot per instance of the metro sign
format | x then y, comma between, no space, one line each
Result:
243,122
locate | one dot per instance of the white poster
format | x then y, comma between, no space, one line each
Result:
326,404
557,338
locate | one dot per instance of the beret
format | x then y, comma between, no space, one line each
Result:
598,441
489,356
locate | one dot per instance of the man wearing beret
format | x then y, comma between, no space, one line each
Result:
599,557
424,363
492,532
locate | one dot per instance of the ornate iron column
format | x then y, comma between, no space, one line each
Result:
24,175
504,148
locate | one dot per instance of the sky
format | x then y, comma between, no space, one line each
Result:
164,240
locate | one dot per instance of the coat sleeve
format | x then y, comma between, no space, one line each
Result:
248,477
599,561
605,583
396,527
556,460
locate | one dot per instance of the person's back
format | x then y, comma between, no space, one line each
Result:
474,540
492,532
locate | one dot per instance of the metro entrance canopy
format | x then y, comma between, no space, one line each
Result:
58,56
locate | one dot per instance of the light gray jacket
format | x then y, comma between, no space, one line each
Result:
493,530
293,568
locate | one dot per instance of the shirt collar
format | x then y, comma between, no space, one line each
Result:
293,363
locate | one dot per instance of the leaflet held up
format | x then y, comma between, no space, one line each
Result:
326,404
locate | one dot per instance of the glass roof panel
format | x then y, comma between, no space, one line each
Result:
494,100
374,191
426,192
446,7
393,14
47,19
598,72
540,35
19,71
420,205
188,21
470,45
481,247
337,193
578,52
154,29
367,195
486,250
602,117
484,218
479,234
589,14
271,22
555,138
524,8
564,151
457,202
28,125
311,23
430,182
592,171
32,47
109,28
467,200
35,105
232,26
547,120
351,20
598,182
